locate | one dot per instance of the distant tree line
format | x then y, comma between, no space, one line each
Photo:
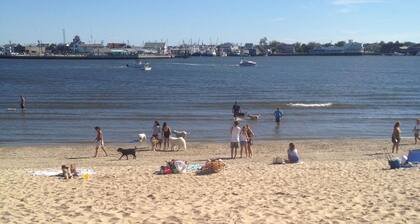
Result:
305,48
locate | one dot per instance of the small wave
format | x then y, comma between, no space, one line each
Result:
192,64
309,104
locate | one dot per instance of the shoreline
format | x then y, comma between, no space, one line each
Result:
202,141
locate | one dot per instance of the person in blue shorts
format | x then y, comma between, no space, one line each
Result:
278,115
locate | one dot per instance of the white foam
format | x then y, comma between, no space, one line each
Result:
309,104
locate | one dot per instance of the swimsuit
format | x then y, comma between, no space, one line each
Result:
167,133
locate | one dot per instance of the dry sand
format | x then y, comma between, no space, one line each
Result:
340,181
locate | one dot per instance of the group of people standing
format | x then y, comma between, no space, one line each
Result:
165,131
242,137
396,135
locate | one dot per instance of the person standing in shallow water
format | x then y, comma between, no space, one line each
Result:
22,103
99,141
278,115
236,109
396,137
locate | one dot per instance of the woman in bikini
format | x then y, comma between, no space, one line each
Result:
244,141
396,137
251,136
166,130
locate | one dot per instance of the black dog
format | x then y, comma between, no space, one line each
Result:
126,152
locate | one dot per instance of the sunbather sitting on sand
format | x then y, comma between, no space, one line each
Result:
292,154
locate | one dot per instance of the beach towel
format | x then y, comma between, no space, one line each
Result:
89,171
47,173
193,167
51,173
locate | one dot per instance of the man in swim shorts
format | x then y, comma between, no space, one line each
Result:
99,141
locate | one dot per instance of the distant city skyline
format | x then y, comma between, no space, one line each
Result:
216,21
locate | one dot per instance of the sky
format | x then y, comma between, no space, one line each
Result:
209,21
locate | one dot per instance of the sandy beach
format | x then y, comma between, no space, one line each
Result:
340,181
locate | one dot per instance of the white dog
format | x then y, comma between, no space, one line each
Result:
142,137
254,116
179,143
179,134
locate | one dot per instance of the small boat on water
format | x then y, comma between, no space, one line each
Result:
247,63
147,67
141,65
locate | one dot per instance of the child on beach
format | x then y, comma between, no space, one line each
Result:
166,130
234,139
396,137
292,154
244,141
155,140
251,135
99,141
416,131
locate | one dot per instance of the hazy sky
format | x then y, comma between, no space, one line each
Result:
27,21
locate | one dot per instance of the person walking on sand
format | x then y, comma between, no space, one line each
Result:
235,131
99,141
396,137
416,131
244,141
22,103
278,115
251,136
166,130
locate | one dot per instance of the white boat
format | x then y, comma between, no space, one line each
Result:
147,67
247,63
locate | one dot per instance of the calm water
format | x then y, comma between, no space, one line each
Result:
350,97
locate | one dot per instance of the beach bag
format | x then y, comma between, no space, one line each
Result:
180,166
394,163
165,170
278,160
